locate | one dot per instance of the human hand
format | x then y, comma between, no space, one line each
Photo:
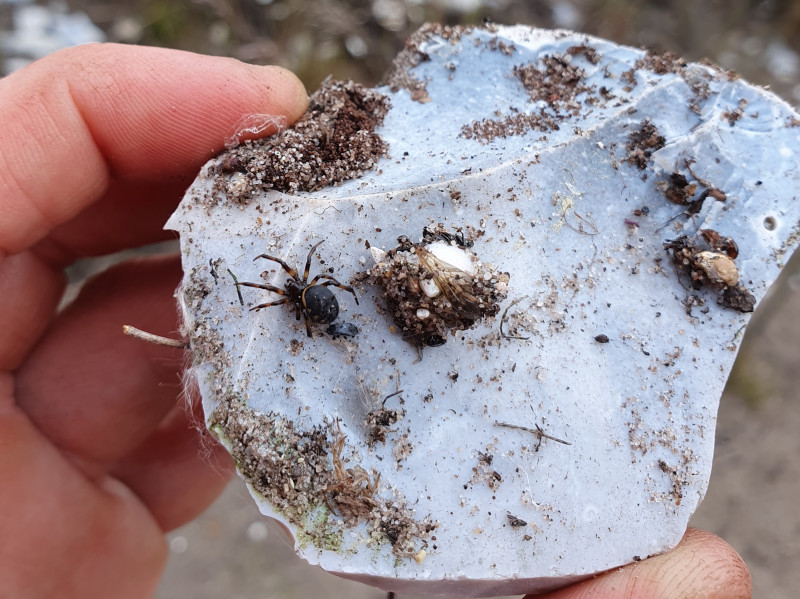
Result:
97,458
702,565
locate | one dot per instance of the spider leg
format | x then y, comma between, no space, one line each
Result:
308,325
279,302
318,277
292,272
272,288
335,283
308,261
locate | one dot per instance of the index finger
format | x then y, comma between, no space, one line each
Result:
79,120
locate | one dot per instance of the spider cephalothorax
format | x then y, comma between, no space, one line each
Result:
312,300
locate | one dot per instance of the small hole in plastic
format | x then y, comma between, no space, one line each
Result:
770,223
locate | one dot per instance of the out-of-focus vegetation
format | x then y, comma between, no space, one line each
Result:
358,38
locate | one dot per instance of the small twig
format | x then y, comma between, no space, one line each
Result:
580,228
213,270
325,209
503,319
714,192
238,289
688,164
419,354
536,431
391,395
672,218
738,334
151,338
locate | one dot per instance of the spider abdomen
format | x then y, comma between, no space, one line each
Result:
320,304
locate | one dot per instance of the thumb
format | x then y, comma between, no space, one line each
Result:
82,118
702,565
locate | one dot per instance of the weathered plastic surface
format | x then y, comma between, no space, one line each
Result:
601,341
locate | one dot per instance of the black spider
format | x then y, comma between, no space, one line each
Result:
315,302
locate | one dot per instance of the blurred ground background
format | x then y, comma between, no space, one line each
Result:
752,499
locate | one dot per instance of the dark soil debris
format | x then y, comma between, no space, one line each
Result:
206,343
403,448
642,143
379,423
554,80
499,45
586,51
669,63
734,115
487,130
516,522
333,141
661,64
290,467
676,491
738,298
629,77
484,473
399,77
701,90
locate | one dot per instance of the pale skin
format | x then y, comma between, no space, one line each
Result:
98,458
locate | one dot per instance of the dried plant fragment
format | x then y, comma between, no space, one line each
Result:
352,496
679,190
738,298
720,243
